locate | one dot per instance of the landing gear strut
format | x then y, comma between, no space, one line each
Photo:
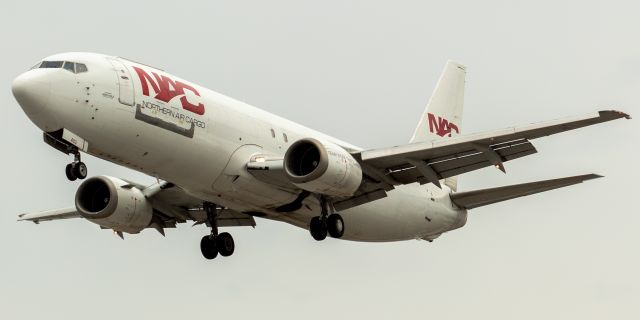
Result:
214,243
77,169
326,223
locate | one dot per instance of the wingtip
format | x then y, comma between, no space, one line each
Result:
615,113
593,176
21,217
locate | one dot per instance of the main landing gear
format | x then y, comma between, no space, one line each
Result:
77,169
326,223
215,243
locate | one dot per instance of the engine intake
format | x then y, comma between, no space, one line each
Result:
93,198
107,202
322,167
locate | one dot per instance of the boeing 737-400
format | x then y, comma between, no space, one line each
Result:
222,163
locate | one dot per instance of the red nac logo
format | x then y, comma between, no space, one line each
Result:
441,126
166,89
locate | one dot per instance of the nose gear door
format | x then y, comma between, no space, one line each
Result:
125,83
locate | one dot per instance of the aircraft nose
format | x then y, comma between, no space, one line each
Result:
32,90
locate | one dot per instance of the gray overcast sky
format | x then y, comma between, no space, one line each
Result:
361,71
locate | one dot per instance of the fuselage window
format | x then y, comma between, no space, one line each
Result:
69,66
273,133
284,136
81,67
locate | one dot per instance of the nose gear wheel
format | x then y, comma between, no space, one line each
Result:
77,169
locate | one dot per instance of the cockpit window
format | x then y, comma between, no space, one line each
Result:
81,67
67,65
51,64
70,66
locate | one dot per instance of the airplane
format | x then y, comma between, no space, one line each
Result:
223,163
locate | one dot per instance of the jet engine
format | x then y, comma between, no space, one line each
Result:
322,167
114,204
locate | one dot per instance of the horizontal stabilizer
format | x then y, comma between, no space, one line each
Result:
479,198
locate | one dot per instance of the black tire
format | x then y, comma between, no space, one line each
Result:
69,172
80,170
208,247
225,244
317,229
335,226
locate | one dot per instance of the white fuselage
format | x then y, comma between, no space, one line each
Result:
147,120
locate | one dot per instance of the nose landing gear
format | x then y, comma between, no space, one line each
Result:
56,139
214,244
326,223
77,169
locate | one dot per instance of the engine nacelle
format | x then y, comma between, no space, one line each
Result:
322,167
112,203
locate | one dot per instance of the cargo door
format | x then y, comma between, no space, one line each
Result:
125,83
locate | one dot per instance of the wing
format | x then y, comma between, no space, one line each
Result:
430,162
171,205
59,214
435,160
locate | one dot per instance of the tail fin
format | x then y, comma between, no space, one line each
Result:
443,115
442,118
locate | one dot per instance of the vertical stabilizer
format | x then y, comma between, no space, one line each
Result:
442,118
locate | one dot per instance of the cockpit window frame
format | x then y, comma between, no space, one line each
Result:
69,66
73,67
